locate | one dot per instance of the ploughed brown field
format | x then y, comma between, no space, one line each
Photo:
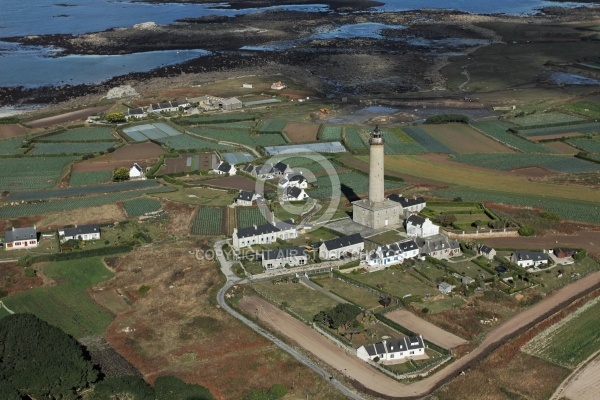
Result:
464,140
11,130
301,133
533,172
147,151
174,165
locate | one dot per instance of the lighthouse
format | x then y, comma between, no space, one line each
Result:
376,212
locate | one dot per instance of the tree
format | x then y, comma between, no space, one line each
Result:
343,314
123,388
447,219
172,388
115,117
39,360
526,231
120,174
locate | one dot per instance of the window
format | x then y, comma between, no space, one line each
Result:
412,352
32,242
392,355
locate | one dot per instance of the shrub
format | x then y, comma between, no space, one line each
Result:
445,118
143,290
425,310
580,255
526,231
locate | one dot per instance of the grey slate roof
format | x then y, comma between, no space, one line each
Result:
297,178
284,253
406,202
82,230
244,195
257,230
135,111
344,241
485,249
280,167
264,169
415,220
292,191
249,169
17,234
224,167
530,255
395,345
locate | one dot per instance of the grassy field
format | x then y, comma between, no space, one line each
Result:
349,292
67,304
396,282
199,196
570,341
477,179
444,304
463,139
302,300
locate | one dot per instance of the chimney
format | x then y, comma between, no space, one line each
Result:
254,227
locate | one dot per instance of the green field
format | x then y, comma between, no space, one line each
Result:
208,221
137,207
187,142
329,133
80,135
354,138
89,177
542,118
11,146
353,294
587,145
585,128
20,174
506,162
498,130
570,341
273,126
300,299
248,216
241,136
70,148
67,304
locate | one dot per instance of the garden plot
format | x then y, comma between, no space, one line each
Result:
570,341
300,133
498,130
396,282
89,178
463,139
209,221
189,162
247,217
137,207
159,130
18,174
330,133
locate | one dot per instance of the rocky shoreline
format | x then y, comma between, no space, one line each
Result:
403,60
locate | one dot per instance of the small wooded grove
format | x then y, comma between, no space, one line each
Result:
40,361
445,118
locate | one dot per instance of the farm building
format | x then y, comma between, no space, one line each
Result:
291,257
421,227
394,253
346,246
409,205
225,168
438,246
390,351
247,85
245,198
136,171
486,252
278,85
445,287
21,238
291,193
263,234
135,113
81,232
527,258
229,104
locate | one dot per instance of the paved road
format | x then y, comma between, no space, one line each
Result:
232,279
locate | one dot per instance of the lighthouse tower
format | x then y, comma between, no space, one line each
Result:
376,212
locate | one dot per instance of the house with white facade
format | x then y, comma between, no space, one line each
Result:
265,171
263,234
391,351
346,246
445,287
486,252
280,258
80,232
135,113
297,180
410,205
392,254
136,172
281,169
438,246
421,227
293,194
225,168
246,198
525,258
21,238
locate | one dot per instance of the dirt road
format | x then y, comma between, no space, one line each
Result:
429,331
68,117
327,351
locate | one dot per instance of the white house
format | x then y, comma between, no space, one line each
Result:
263,234
135,113
281,169
525,258
293,194
419,226
136,171
21,238
80,232
393,350
394,253
409,205
298,180
486,252
333,249
292,257
438,246
245,198
225,168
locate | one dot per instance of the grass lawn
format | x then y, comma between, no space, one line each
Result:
199,196
396,282
433,272
386,237
67,304
349,292
444,304
470,269
304,301
549,279
570,341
